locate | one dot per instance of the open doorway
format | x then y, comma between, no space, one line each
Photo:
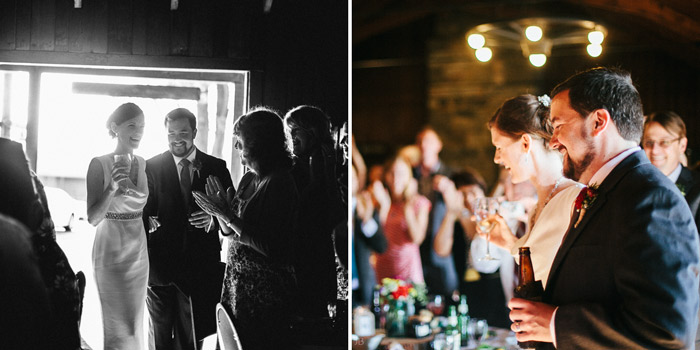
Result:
59,113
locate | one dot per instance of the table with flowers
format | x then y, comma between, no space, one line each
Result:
401,327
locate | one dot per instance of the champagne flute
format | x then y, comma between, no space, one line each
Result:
484,207
125,161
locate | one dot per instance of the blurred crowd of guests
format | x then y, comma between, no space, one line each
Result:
413,215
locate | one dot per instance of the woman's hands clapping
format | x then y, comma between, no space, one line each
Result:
215,202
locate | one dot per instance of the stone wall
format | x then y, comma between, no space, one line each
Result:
464,93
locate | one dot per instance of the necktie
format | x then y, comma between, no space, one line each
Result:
186,182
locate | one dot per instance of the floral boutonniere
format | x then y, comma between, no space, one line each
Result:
584,200
681,188
197,166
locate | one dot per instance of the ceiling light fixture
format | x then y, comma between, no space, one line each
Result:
535,37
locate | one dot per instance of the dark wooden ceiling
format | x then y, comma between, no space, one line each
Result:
672,26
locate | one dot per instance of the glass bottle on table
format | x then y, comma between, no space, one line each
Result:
377,309
453,337
463,319
528,288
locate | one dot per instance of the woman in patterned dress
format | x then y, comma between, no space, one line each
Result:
404,217
259,285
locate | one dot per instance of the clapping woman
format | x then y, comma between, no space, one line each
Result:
404,216
117,191
259,285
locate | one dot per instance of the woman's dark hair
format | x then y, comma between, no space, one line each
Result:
313,120
524,114
20,199
265,138
123,113
468,177
610,89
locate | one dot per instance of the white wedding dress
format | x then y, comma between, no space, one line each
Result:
545,237
120,261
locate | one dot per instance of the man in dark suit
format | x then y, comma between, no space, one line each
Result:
626,273
439,271
665,142
186,272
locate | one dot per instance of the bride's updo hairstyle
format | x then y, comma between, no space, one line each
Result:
524,114
123,113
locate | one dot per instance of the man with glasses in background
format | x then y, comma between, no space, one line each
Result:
665,142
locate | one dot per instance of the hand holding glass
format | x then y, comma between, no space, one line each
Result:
484,207
123,162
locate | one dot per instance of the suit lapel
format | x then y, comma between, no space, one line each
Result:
200,177
608,184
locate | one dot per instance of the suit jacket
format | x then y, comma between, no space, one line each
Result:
689,183
439,271
364,246
627,276
178,252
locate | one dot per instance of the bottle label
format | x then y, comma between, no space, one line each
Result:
463,309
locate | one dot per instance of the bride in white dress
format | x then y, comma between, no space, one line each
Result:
520,132
116,195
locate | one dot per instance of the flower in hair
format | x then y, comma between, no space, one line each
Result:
544,100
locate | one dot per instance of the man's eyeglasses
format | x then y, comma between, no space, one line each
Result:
661,143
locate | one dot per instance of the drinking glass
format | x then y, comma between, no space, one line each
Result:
484,207
481,330
435,305
477,330
124,160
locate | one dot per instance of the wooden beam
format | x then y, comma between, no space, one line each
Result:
675,23
33,117
114,60
6,122
146,91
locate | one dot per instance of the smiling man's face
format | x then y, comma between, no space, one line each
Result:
180,137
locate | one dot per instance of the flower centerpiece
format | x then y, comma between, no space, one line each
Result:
401,297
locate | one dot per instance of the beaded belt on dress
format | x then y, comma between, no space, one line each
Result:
123,216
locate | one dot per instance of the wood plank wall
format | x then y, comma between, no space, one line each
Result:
297,51
208,28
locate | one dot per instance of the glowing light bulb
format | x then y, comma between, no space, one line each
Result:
596,37
533,33
484,54
594,50
476,41
538,59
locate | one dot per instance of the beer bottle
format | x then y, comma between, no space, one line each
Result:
463,319
528,288
452,336
377,308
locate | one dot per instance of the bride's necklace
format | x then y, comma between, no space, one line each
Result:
549,197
